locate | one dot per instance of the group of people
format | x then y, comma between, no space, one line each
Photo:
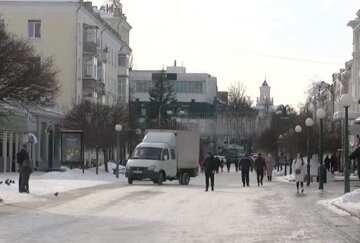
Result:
260,165
245,164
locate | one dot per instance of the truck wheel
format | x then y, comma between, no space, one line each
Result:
130,181
155,181
160,179
186,178
181,179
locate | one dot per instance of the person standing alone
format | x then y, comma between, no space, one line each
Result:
298,167
21,156
269,167
245,164
210,168
260,167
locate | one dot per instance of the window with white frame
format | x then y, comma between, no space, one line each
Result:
122,60
34,28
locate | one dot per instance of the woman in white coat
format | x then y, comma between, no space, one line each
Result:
298,168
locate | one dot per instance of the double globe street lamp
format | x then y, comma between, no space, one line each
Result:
308,123
346,100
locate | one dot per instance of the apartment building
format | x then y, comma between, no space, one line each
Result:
90,47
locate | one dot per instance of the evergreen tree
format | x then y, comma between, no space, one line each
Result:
161,95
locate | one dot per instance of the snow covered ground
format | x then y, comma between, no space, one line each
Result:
44,185
103,208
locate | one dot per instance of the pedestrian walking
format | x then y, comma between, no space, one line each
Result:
222,164
298,167
21,156
236,165
260,168
270,164
228,164
245,165
217,164
26,170
333,163
327,162
210,167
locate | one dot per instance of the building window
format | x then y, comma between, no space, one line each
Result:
121,89
34,28
122,60
143,86
188,87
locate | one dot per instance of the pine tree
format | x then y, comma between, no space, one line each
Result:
161,95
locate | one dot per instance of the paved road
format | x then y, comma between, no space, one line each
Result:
144,212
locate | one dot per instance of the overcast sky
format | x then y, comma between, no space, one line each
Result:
289,42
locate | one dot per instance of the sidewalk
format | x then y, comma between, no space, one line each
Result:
334,192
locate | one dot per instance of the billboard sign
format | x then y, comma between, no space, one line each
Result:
71,147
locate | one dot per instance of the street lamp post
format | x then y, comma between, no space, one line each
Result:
118,129
320,113
308,123
279,152
346,100
298,130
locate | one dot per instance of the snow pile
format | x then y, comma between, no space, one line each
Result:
299,235
349,202
352,197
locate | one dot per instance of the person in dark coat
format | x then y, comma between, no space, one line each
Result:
333,163
21,156
245,165
327,162
222,164
260,167
228,164
210,168
217,164
25,176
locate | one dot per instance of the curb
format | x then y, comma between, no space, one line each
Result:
346,210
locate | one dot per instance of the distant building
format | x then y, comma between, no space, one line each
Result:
265,106
195,95
264,103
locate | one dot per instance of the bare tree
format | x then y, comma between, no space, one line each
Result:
97,121
238,98
26,79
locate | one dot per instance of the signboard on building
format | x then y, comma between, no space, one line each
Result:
72,147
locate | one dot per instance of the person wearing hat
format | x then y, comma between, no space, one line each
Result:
21,156
260,167
210,168
245,164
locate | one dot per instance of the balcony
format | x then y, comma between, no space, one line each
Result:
91,86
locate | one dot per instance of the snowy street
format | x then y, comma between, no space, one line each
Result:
144,212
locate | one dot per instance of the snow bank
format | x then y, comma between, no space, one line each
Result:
349,202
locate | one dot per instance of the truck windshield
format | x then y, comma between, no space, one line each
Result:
146,153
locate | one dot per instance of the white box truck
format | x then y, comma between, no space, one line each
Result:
165,155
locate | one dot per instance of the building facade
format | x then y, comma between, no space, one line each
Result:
91,55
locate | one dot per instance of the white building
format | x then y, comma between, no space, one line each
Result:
195,93
91,50
264,103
